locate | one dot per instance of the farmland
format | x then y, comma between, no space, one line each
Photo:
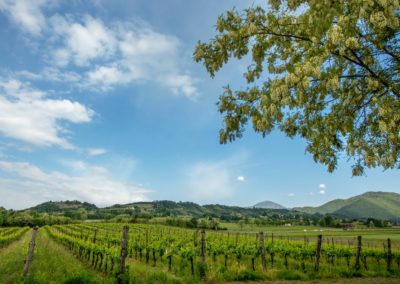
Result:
162,254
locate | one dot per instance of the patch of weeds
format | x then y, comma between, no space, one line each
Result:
291,275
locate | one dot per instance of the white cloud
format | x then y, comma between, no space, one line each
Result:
322,187
119,53
82,42
50,74
107,54
27,185
96,151
240,178
291,194
26,13
28,115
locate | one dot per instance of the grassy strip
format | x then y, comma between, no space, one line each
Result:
145,274
12,260
330,281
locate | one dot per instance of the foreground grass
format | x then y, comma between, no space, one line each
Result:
12,260
331,281
52,263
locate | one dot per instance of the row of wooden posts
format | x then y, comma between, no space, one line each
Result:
262,251
124,252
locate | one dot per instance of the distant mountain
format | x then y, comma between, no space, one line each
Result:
62,206
379,205
269,205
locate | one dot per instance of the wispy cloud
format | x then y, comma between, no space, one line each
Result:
291,194
92,184
26,14
107,54
28,115
322,187
96,151
119,53
82,42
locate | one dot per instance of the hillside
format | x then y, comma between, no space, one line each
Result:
378,205
326,208
61,206
163,208
268,205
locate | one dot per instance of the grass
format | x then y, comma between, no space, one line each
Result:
330,281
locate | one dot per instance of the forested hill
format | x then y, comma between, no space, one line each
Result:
62,206
162,208
171,208
379,205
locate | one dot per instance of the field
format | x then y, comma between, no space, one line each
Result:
91,253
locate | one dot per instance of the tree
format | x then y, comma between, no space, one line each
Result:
324,70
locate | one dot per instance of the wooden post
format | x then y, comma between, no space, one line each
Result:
29,257
358,253
94,236
318,253
124,253
262,250
389,254
203,247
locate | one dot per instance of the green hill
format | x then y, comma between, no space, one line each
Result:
378,205
162,208
326,208
269,205
62,206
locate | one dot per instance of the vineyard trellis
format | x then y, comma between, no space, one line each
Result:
11,234
193,253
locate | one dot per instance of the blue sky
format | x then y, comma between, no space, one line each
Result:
101,101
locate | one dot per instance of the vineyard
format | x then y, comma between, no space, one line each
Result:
8,235
222,256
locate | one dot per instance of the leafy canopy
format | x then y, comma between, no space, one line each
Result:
324,70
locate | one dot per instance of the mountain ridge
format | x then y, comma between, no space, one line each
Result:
371,204
378,205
